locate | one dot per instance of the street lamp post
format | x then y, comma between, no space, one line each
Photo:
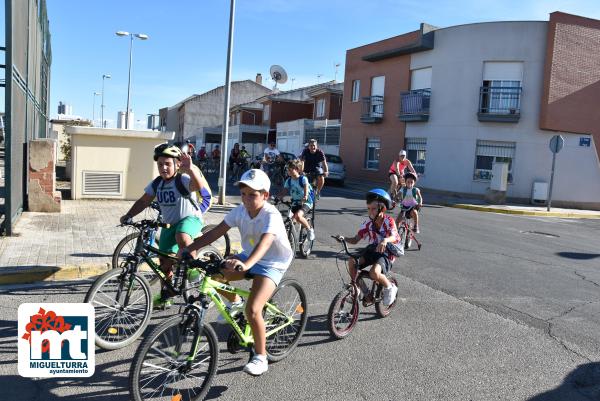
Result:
223,171
140,36
94,109
102,124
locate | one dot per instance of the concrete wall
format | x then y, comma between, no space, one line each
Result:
128,152
206,110
453,128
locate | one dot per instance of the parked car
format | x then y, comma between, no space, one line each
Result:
337,169
288,156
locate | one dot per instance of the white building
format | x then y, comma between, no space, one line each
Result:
464,99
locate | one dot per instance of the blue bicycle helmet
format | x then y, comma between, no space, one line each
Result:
380,195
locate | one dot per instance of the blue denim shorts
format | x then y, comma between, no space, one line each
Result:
260,270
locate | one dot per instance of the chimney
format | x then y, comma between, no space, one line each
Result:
259,78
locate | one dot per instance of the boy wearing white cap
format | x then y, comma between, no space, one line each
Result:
266,254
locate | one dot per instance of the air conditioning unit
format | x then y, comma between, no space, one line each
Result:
539,193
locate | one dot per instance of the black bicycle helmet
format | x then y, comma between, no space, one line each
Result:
380,195
168,151
410,174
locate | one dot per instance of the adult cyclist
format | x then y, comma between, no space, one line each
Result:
315,164
397,170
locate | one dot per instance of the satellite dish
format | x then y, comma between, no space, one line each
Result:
278,75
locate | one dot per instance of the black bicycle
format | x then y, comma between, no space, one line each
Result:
151,237
345,307
122,297
288,221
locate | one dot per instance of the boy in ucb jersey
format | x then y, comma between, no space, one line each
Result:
175,191
266,255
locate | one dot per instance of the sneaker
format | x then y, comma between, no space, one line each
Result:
162,301
257,365
389,295
234,309
416,229
317,196
311,234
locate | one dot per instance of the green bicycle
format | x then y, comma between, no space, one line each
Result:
122,297
179,359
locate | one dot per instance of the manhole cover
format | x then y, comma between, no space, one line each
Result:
541,233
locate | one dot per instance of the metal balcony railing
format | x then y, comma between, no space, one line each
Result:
414,105
500,104
372,109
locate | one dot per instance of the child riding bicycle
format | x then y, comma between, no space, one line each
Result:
179,206
396,172
265,257
381,232
302,195
411,200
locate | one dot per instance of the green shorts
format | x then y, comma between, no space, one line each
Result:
190,225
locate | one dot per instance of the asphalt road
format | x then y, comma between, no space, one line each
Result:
494,307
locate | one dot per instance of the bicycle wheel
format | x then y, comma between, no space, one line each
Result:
382,310
126,247
343,313
289,298
304,244
223,244
123,305
159,370
291,233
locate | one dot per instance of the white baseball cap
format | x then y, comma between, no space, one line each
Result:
402,153
255,179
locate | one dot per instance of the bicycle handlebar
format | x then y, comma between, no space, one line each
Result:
341,239
277,201
142,224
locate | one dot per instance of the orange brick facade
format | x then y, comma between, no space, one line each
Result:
390,131
571,97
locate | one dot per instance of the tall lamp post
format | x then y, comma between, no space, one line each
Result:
140,36
223,170
102,123
94,109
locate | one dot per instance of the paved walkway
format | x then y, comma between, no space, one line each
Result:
76,243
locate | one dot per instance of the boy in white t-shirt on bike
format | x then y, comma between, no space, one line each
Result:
410,200
266,255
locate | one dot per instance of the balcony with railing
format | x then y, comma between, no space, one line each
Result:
372,109
499,104
414,105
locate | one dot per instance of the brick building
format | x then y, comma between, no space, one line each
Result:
464,99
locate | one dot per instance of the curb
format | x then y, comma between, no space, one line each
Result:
13,275
53,273
523,212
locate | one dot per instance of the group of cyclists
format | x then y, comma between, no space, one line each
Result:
184,195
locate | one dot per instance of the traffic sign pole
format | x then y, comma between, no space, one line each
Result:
551,182
556,144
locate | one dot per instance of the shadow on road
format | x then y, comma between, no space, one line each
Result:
578,255
582,381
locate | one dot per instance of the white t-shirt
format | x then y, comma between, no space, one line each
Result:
173,206
271,154
279,255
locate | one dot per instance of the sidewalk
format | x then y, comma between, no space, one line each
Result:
75,244
461,202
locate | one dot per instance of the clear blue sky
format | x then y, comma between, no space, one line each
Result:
186,52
